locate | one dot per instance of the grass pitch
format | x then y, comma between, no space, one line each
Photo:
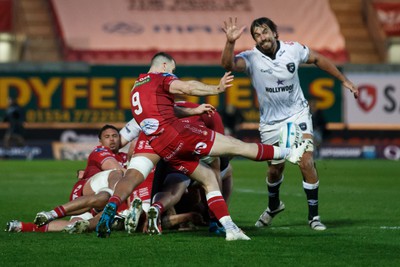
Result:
359,203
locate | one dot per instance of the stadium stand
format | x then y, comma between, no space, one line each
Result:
128,35
382,18
32,34
359,43
37,39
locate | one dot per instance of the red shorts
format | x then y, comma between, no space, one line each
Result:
142,145
77,189
185,150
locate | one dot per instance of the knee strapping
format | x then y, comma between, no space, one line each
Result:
142,165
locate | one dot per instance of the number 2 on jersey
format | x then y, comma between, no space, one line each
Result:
136,103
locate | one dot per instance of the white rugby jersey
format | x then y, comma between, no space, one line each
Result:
276,81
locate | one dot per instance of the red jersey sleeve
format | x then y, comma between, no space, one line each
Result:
96,159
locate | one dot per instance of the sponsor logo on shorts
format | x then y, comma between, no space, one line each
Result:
76,190
183,169
196,130
200,148
141,145
179,147
303,126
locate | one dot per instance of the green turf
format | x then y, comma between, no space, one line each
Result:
359,202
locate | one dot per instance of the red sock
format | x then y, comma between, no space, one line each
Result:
31,227
159,206
116,200
265,152
217,205
60,211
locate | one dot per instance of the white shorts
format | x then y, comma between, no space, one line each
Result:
99,182
269,134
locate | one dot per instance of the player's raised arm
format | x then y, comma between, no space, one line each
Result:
233,32
327,65
181,112
197,88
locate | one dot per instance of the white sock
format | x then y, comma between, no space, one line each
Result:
281,152
228,224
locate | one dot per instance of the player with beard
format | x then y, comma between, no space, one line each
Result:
272,66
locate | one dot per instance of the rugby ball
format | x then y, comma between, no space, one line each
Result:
290,135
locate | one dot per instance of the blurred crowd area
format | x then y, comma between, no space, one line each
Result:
53,51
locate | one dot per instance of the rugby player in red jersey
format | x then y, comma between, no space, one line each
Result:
105,167
183,144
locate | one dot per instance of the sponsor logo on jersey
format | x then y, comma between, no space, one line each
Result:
100,149
169,74
269,71
141,81
149,126
289,42
105,153
291,67
288,88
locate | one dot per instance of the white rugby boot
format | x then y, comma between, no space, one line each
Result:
266,217
132,220
316,224
43,218
297,151
154,223
77,227
13,226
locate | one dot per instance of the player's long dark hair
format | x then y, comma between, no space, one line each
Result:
264,21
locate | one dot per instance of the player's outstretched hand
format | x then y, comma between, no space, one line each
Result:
225,82
232,31
205,108
348,84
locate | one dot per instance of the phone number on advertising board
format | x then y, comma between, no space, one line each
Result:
81,115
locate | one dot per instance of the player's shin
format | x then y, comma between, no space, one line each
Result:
218,207
311,191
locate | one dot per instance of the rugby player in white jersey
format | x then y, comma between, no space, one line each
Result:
272,66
